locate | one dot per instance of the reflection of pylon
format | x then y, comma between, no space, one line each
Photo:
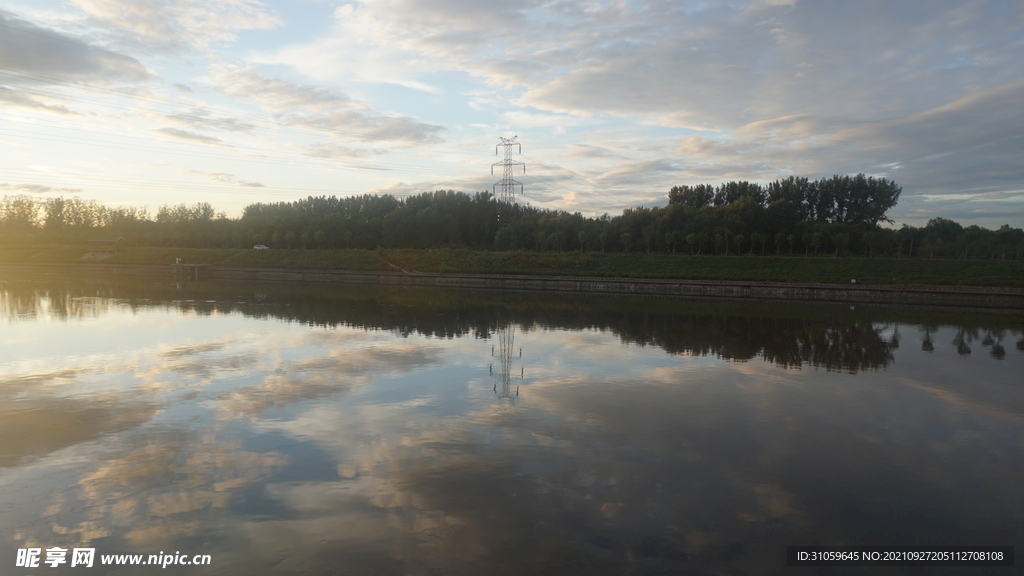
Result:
506,197
506,346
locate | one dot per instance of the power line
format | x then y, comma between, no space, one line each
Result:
74,179
197,119
230,114
298,193
89,46
77,178
106,104
361,136
308,159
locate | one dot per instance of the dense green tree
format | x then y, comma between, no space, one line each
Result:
840,214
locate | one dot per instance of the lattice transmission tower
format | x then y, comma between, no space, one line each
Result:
506,197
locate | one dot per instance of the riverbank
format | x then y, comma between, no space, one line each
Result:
1009,300
776,269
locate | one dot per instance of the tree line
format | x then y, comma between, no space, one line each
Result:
840,216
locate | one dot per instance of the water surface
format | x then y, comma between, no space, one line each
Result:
314,429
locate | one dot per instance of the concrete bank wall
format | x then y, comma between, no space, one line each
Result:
921,295
988,298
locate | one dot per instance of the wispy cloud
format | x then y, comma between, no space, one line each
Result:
37,189
225,178
21,100
201,117
40,51
188,136
179,24
320,109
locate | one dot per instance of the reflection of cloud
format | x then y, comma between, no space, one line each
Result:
135,491
35,427
38,378
997,411
192,349
208,368
490,499
616,457
316,376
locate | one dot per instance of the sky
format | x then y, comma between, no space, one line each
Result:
233,102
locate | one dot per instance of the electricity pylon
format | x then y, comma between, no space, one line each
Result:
507,196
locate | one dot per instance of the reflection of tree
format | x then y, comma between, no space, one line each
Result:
852,346
960,341
55,303
994,338
927,345
790,335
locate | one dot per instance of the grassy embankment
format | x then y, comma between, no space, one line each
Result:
317,259
771,269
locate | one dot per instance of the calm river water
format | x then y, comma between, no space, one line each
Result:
312,429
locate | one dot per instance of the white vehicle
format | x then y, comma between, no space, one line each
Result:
260,247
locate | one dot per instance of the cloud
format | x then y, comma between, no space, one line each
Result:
972,144
275,95
397,42
471,184
921,92
771,88
22,100
523,119
179,24
732,63
968,148
632,172
201,117
225,178
230,179
188,136
26,47
334,150
320,109
590,151
37,188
